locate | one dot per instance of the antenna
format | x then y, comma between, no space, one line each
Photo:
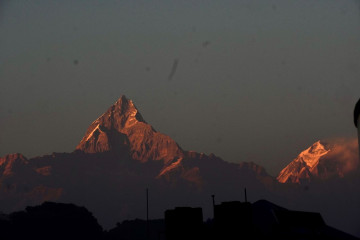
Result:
245,195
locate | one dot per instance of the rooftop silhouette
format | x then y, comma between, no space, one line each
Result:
233,220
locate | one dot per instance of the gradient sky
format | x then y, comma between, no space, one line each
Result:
249,80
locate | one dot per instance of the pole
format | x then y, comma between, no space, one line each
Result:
245,195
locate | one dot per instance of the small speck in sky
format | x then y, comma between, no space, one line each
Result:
173,69
206,43
76,62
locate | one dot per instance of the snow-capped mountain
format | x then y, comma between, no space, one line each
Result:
320,161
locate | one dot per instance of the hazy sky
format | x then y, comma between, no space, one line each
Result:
254,80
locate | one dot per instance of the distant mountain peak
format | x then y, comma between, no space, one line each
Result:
122,128
304,165
126,107
122,100
312,155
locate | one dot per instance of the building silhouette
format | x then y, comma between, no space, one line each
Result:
233,220
184,223
137,229
248,221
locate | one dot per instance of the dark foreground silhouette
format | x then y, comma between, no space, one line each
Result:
243,220
51,221
137,230
232,220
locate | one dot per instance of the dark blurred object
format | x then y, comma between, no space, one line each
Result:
54,221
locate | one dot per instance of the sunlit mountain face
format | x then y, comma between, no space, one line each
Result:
122,127
321,161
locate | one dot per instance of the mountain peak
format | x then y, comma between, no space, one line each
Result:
317,147
122,127
312,155
122,98
123,103
125,107
304,165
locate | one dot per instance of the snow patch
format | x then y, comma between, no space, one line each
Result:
171,167
312,155
97,127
